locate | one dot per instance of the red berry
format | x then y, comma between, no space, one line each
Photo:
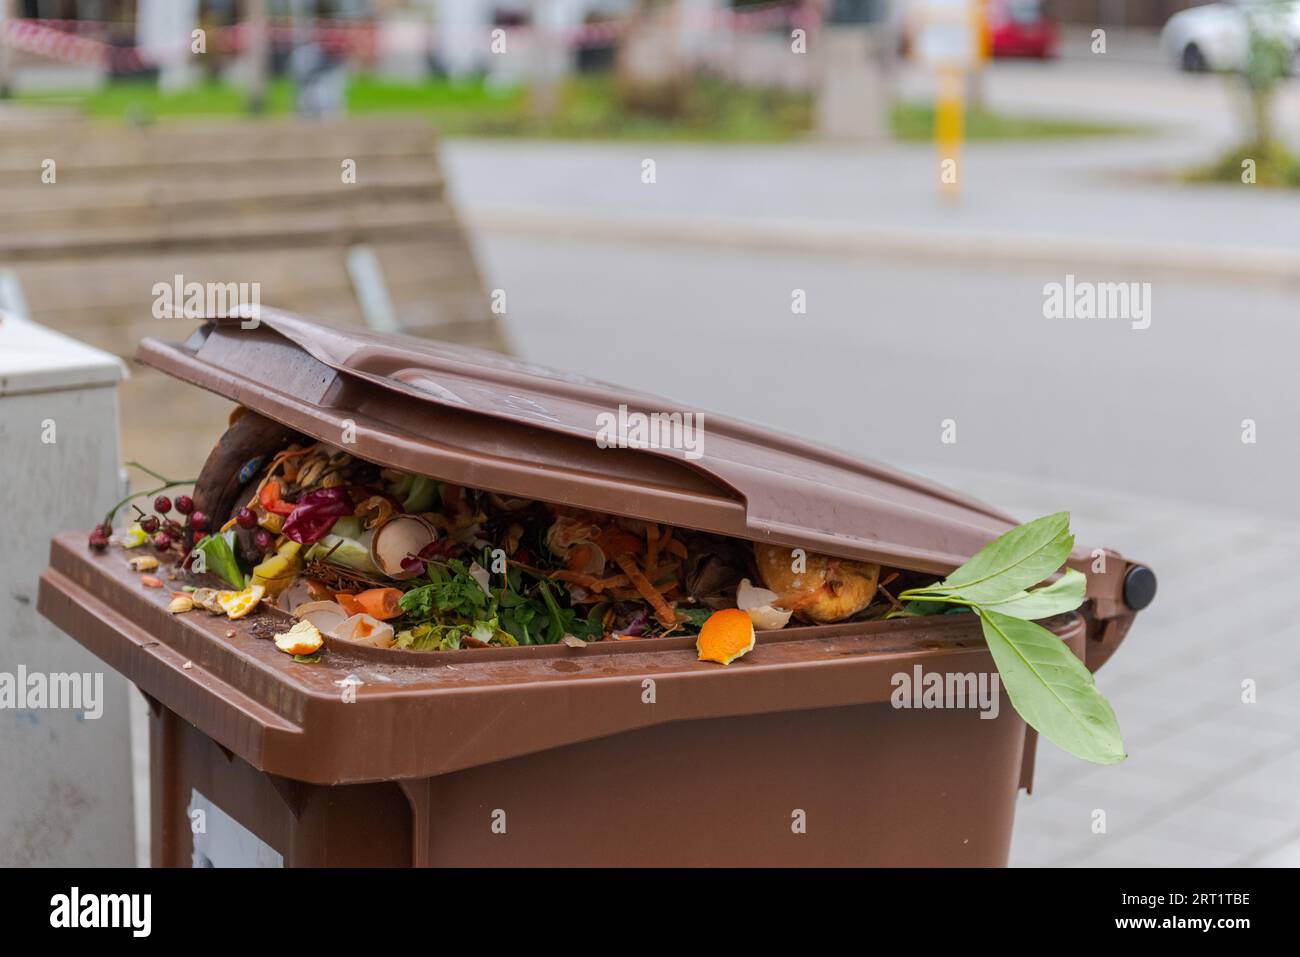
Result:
150,524
199,521
98,541
263,541
162,505
162,541
246,518
103,529
184,504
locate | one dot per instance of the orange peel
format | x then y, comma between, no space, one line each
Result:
303,638
237,604
726,636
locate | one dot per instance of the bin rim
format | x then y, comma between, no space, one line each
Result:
293,719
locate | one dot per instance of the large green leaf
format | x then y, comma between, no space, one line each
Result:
1013,562
1051,689
1064,594
217,555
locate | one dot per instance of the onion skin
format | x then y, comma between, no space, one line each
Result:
420,534
827,590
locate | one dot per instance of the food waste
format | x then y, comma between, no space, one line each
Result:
375,556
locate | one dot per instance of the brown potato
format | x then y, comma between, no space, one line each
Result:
827,589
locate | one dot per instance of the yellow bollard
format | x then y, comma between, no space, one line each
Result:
948,116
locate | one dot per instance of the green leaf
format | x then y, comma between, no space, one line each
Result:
1051,689
1064,594
1012,562
218,553
919,608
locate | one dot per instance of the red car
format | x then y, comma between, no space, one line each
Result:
1020,28
1015,28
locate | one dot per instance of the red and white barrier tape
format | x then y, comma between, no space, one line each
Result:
82,42
31,36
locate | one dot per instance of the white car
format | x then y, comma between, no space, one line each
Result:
1214,36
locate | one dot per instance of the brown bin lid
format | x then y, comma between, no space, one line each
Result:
497,423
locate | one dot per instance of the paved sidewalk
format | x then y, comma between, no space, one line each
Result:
1210,780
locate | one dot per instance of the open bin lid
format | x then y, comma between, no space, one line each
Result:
489,422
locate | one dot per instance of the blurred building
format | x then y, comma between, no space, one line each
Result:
488,12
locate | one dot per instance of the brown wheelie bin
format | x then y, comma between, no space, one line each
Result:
612,753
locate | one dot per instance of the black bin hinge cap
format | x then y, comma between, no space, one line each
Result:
1139,587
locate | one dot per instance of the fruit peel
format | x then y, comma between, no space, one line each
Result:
303,638
726,635
237,604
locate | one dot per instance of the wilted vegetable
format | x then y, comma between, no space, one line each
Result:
816,587
316,513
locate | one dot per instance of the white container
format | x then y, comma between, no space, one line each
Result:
65,777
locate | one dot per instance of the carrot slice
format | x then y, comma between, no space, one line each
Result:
349,602
590,582
576,577
652,541
663,611
381,603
